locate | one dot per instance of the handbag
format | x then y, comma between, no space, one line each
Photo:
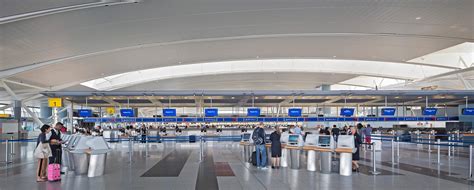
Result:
43,150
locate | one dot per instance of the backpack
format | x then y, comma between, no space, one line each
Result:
257,140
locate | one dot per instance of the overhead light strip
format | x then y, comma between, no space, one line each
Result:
30,15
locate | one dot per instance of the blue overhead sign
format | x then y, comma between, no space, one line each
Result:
430,111
169,112
126,112
294,112
388,111
347,112
468,111
211,112
85,113
253,112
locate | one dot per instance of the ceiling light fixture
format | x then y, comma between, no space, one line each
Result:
418,18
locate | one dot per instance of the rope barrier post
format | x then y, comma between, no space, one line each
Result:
130,150
200,148
449,146
12,147
6,152
429,142
374,169
470,163
146,146
398,149
393,152
439,151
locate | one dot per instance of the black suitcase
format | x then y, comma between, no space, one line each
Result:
253,158
192,138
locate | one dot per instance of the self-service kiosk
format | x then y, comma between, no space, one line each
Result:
324,144
284,152
247,146
294,146
345,147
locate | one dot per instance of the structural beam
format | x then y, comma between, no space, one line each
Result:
9,90
33,115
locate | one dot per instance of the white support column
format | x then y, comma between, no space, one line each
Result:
9,90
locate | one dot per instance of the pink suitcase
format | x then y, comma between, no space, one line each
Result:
54,170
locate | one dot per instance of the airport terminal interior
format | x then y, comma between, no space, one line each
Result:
236,94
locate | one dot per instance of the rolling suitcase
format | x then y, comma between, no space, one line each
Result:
253,158
54,169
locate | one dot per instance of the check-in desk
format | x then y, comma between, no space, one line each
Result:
345,148
322,144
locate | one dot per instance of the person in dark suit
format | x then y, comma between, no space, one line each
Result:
55,142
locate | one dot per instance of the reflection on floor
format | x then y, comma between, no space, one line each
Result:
178,166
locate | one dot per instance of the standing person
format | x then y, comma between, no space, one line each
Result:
357,142
42,152
344,130
55,142
258,137
368,135
298,130
276,147
335,131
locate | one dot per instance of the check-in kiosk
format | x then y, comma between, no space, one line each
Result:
89,155
247,146
268,145
294,146
324,144
345,147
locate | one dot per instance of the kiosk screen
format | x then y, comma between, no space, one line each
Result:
293,139
246,137
324,140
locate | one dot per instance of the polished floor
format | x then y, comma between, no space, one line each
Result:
178,166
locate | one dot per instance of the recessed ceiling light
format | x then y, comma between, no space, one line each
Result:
443,97
418,18
279,97
334,56
419,97
233,97
138,97
185,97
373,97
256,97
162,97
114,98
396,97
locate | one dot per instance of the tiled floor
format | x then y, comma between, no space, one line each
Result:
178,166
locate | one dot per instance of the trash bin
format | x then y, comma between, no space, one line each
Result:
81,162
97,160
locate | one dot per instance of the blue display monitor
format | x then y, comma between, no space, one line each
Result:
294,112
430,111
126,113
169,112
211,112
253,112
85,113
293,139
388,111
468,111
347,112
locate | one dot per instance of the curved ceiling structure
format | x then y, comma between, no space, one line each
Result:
365,40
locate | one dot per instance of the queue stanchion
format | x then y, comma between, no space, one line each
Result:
6,152
146,146
12,147
130,150
393,152
429,142
439,151
374,169
470,177
200,148
398,149
449,146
